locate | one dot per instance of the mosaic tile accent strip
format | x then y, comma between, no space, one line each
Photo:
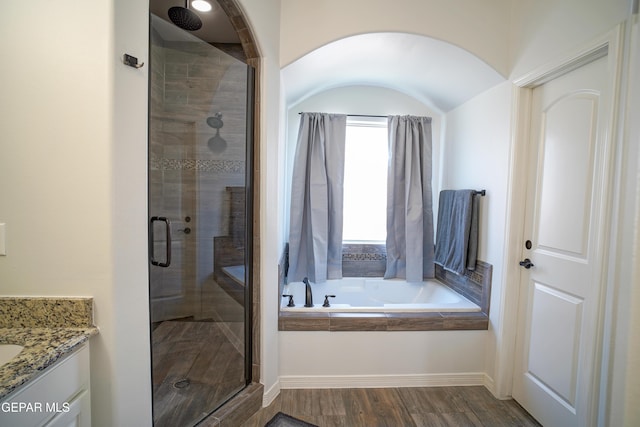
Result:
364,252
363,257
363,260
199,165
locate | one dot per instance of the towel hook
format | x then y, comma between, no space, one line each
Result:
131,61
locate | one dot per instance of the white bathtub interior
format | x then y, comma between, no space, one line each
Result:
361,294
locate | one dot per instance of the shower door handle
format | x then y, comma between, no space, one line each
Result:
152,241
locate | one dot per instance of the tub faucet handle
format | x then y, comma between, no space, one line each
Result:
291,304
326,300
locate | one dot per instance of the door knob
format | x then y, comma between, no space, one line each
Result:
526,263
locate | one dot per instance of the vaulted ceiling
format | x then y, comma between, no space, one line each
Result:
437,73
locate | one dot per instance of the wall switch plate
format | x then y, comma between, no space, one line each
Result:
3,238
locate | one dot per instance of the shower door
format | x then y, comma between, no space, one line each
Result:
199,212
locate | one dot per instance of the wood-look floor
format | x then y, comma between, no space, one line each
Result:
396,407
195,369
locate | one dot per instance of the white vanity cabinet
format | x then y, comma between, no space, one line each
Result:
58,397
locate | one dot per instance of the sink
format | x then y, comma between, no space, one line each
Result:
8,352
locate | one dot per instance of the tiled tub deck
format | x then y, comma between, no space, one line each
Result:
474,285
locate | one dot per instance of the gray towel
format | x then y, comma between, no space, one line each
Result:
457,237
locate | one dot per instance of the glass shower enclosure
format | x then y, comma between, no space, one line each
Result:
199,171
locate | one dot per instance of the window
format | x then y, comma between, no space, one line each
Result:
365,181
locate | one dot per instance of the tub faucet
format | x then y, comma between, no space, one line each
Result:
308,295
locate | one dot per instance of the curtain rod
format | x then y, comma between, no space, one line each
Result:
363,115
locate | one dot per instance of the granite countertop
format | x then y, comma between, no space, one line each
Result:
47,328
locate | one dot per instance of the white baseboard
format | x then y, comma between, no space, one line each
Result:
382,381
490,385
271,394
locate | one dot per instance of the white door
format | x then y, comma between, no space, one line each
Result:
557,349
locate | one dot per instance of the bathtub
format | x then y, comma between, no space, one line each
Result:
358,294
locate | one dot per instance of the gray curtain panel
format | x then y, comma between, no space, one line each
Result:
410,246
315,236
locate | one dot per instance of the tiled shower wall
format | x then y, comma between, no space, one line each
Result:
189,83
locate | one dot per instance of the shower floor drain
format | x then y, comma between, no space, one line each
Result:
182,383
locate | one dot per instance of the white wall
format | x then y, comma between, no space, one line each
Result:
632,363
264,19
127,350
476,154
55,129
377,359
73,180
541,31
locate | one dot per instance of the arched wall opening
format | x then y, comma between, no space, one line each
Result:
383,73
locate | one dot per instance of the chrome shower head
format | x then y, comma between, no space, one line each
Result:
217,144
215,121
